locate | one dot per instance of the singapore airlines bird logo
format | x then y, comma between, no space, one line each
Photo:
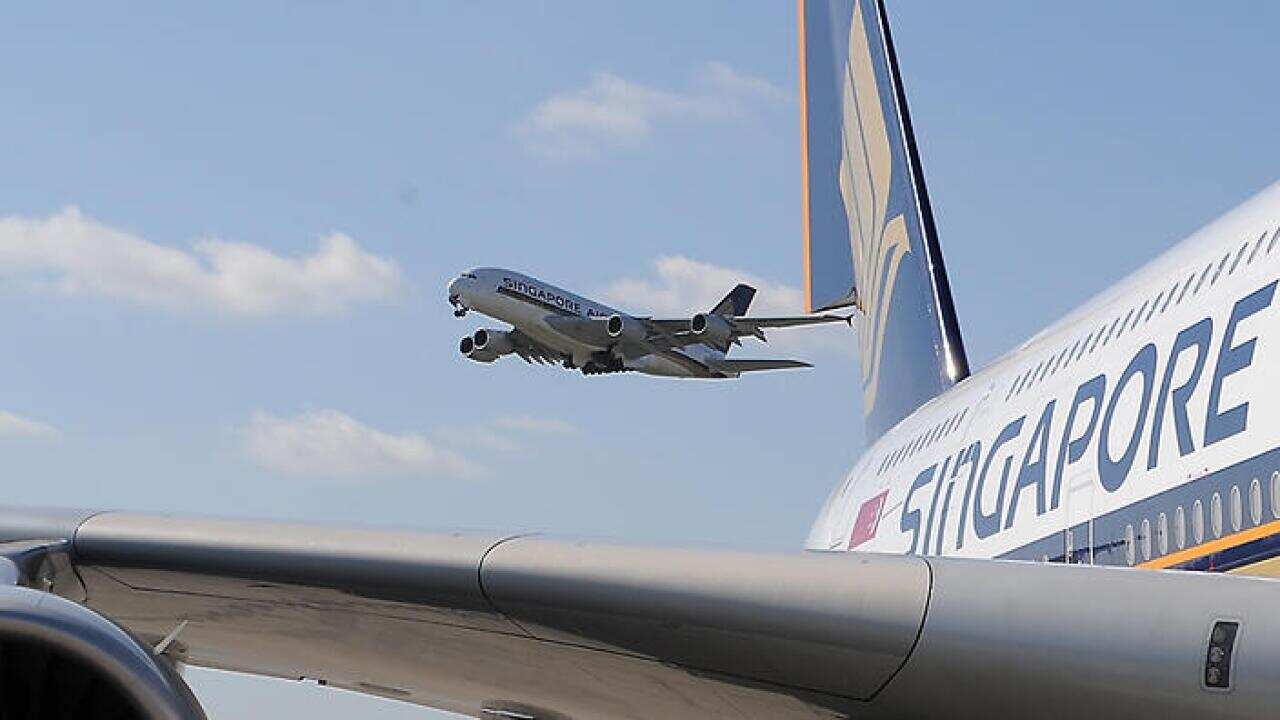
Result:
866,174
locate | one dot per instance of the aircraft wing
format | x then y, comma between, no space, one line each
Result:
738,365
741,326
531,350
521,626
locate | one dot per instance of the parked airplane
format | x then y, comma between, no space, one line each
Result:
554,325
1141,430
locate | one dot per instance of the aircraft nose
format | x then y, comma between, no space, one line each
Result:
454,288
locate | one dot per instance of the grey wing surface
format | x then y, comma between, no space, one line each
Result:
677,331
531,350
741,366
786,322
509,625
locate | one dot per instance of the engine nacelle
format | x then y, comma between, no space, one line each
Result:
712,329
624,328
467,346
493,341
58,654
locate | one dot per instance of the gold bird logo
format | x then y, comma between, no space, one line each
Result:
866,175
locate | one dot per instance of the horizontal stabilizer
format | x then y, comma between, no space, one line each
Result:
741,366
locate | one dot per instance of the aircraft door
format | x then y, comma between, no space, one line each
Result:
1078,533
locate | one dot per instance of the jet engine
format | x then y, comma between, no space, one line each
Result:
624,328
712,329
62,660
467,346
493,341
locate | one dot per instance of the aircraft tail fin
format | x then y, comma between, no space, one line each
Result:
869,235
735,304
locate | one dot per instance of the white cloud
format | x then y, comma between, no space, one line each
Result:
20,428
613,111
332,444
77,255
535,425
682,286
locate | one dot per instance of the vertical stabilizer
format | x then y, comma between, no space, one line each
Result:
869,236
736,302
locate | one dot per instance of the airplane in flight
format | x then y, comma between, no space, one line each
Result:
551,325
1087,527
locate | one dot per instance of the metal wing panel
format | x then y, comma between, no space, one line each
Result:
571,629
748,325
1063,642
670,326
588,330
748,365
529,349
424,617
833,624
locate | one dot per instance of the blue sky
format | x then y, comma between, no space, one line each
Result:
225,233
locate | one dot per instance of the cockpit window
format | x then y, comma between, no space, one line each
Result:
470,275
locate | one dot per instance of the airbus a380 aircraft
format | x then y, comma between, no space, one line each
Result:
981,560
554,325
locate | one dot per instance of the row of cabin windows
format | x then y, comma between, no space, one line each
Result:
1141,315
1140,546
922,441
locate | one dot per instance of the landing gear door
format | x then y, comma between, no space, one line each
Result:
1078,533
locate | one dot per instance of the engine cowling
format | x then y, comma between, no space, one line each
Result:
467,346
61,660
493,341
712,329
624,328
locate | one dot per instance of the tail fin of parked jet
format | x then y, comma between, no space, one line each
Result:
869,236
736,302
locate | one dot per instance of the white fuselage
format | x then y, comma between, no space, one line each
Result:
1085,445
527,304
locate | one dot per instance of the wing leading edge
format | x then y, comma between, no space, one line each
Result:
574,629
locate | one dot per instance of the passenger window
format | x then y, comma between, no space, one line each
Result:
1256,247
1221,265
1208,268
1215,514
1237,511
1154,305
1186,287
1162,534
1138,318
1168,300
1275,494
1255,501
1236,263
